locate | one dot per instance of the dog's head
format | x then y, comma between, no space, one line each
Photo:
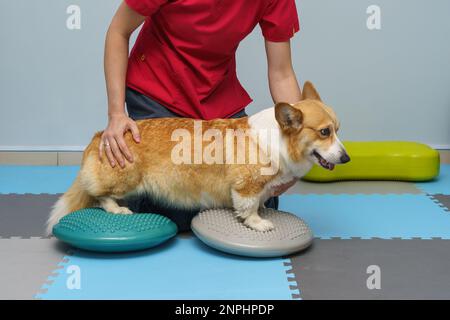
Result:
309,128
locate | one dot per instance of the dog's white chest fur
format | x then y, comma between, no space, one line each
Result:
265,120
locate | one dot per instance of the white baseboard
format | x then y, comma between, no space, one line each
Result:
440,146
42,148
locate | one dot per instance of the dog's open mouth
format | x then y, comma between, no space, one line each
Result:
324,163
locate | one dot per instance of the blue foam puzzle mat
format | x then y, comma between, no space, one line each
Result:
36,179
440,185
370,216
183,268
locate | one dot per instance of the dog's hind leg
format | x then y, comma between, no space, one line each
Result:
109,204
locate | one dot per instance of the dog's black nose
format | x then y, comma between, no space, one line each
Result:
345,158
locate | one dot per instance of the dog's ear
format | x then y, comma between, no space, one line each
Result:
310,92
288,117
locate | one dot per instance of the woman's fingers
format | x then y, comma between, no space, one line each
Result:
100,150
123,148
135,131
279,190
109,154
113,141
116,152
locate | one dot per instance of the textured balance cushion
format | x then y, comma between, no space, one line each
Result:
384,160
220,229
97,230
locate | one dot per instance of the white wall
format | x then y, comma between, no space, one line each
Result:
388,84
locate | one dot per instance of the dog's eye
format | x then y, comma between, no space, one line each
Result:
325,132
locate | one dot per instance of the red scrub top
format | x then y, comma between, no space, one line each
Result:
184,56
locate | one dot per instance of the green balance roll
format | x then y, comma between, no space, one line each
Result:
97,230
382,160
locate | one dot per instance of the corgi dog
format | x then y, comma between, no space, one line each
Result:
302,134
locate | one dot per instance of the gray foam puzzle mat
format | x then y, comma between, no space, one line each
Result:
445,156
354,187
409,269
442,200
25,265
24,215
220,229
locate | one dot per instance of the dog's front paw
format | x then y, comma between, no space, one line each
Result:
121,210
258,224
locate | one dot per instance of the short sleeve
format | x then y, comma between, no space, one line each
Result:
280,20
145,7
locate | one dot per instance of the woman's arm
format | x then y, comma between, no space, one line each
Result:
282,79
283,84
123,24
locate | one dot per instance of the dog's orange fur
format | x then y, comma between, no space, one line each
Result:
180,184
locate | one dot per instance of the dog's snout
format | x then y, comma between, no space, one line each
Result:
344,158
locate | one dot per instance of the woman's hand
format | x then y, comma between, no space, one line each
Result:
282,188
113,141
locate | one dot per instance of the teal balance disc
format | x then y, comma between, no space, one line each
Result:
97,230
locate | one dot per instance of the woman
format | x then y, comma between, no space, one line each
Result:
183,65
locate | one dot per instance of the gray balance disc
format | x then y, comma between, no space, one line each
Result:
220,229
